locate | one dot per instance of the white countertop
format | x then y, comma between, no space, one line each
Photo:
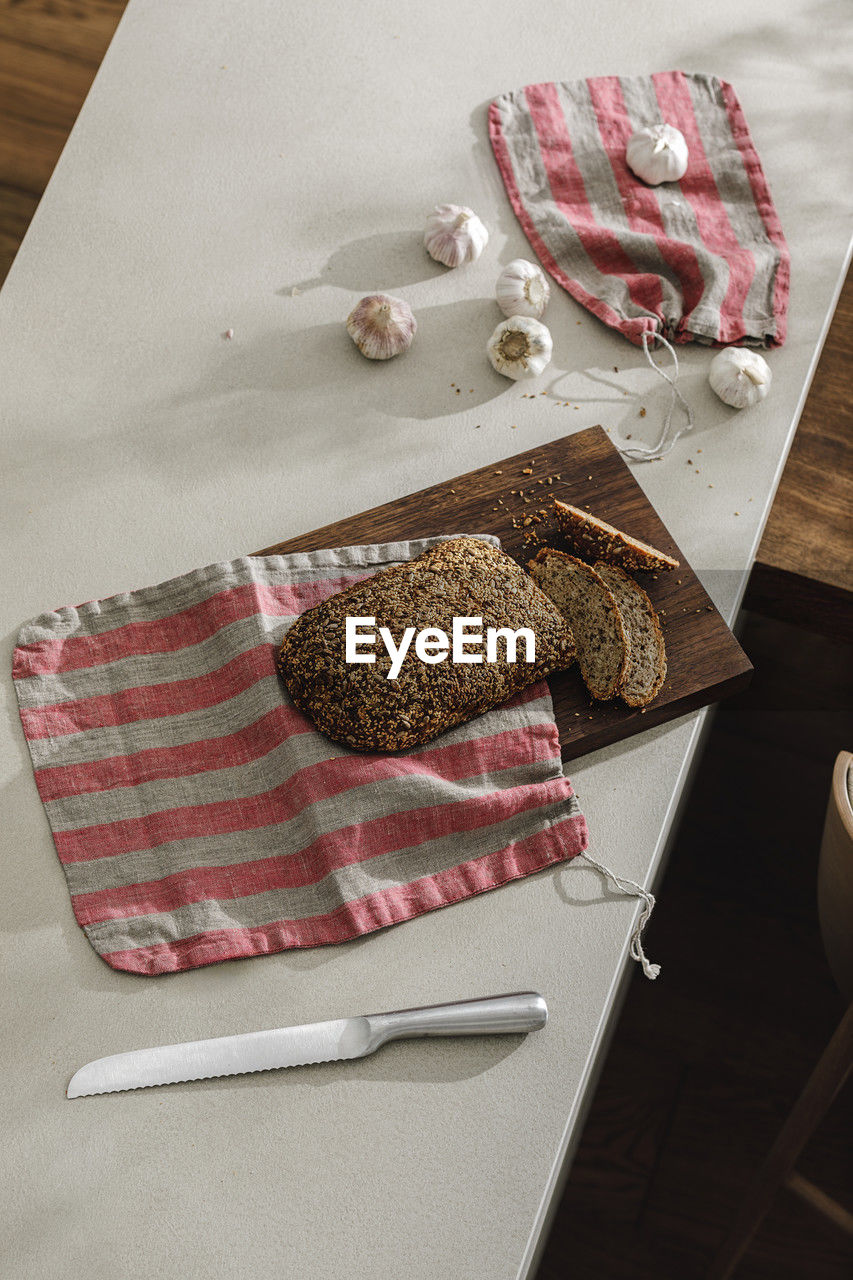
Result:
227,153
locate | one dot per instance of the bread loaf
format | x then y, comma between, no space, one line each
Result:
358,705
593,615
646,668
594,538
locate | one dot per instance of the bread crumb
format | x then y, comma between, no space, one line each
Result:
229,333
498,473
528,471
643,414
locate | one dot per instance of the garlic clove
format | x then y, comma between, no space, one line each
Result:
454,235
522,289
657,154
520,347
740,376
381,326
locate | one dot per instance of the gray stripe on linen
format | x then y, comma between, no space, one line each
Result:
677,215
348,884
138,670
559,235
604,196
175,731
254,778
154,604
735,191
295,834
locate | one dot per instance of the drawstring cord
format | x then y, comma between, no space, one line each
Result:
640,453
635,890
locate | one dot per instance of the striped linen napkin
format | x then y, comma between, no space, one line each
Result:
703,259
198,816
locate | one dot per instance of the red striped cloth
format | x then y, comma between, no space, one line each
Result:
198,816
703,259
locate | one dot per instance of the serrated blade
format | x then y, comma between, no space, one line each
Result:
225,1056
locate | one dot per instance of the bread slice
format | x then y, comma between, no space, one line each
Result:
598,540
646,669
588,606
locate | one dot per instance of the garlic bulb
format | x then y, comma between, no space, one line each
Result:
739,376
657,154
454,235
520,347
522,289
381,326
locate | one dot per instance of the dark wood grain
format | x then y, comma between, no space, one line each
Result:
705,662
821,1090
804,568
707,1062
49,53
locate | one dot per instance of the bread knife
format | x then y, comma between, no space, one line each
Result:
314,1042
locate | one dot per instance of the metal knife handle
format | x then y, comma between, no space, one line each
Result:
496,1015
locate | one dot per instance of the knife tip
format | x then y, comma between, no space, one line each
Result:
73,1089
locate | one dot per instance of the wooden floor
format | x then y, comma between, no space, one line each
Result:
804,567
706,1061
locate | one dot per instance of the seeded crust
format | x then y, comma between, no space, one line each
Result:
588,606
646,669
598,540
357,705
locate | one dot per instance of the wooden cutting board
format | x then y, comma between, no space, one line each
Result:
508,499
